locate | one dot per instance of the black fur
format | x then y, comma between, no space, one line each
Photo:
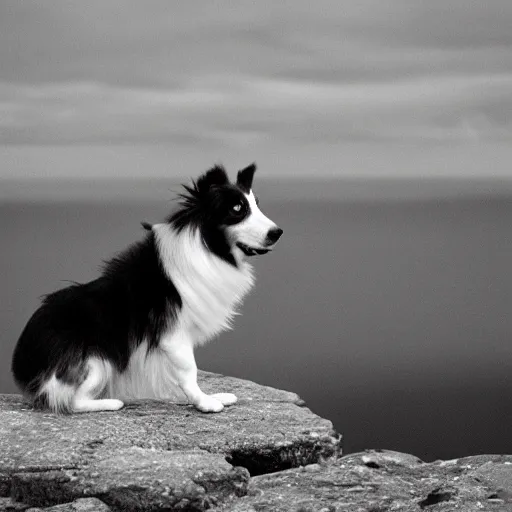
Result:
133,300
245,177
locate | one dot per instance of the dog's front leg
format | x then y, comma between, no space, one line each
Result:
181,353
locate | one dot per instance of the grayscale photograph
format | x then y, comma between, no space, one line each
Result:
256,256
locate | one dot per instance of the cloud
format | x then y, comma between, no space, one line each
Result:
222,76
241,109
160,44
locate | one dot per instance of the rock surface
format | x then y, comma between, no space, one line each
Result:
156,455
266,453
80,505
382,481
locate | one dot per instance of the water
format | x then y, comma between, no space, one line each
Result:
388,313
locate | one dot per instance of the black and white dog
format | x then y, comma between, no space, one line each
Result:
131,333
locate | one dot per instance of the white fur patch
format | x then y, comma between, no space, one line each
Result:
210,289
149,375
98,377
63,397
253,230
60,394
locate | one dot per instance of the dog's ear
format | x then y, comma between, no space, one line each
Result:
216,176
245,176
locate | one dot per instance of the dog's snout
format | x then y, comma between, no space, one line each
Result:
273,235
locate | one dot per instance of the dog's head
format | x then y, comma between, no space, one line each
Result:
227,214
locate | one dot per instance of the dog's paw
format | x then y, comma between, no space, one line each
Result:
209,404
112,404
225,398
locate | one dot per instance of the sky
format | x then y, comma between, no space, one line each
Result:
327,88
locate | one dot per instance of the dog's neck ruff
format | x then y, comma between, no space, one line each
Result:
210,288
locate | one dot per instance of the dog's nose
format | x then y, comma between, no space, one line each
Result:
273,235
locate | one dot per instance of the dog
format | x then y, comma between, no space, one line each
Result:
131,333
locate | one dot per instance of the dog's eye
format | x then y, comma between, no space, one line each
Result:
237,207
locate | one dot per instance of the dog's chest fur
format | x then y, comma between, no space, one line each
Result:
210,288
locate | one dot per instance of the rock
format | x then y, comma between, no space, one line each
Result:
80,505
382,481
8,505
155,455
498,475
266,453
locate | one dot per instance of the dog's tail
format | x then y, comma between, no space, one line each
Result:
62,391
55,395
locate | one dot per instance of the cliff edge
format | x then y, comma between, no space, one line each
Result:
156,455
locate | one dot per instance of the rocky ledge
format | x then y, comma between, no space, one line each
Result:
156,455
266,453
